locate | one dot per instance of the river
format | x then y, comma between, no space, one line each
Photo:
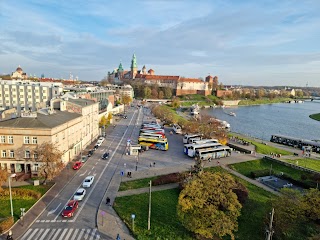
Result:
261,121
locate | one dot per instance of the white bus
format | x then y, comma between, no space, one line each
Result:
154,135
190,149
177,129
152,131
204,141
151,125
187,137
213,153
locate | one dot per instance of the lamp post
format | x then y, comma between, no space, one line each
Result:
11,176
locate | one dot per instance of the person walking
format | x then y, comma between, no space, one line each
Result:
118,237
108,201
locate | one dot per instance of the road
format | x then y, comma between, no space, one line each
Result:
50,225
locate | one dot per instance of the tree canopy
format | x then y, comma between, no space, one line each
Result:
3,176
208,206
50,158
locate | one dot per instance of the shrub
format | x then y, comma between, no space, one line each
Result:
25,194
5,224
165,179
260,173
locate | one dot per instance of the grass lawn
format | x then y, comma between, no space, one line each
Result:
263,101
305,162
245,168
134,184
262,148
315,116
5,210
164,222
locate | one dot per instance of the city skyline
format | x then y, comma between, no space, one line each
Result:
243,43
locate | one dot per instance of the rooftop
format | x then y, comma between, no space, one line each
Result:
41,121
82,102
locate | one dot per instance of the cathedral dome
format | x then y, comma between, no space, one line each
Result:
19,69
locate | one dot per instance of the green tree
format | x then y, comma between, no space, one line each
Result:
288,213
176,102
103,121
208,207
146,92
311,201
50,161
167,92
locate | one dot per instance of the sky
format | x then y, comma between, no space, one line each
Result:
247,42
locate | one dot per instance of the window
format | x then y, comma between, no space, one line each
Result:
34,140
10,139
26,140
35,155
2,139
11,154
27,154
3,153
36,167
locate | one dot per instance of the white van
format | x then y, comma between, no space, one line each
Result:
177,129
100,141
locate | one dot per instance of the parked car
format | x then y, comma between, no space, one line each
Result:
77,165
70,208
79,195
95,147
84,159
125,116
105,156
100,141
87,182
90,153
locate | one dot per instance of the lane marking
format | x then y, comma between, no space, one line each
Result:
52,211
82,173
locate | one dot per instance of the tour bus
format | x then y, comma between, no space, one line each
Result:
187,137
190,149
204,141
159,131
212,153
154,143
151,125
177,129
155,135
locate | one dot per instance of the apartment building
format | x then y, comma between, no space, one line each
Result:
27,95
69,125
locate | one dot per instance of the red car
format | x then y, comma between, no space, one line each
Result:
71,207
77,165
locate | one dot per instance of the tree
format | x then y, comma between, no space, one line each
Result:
161,95
49,157
154,93
176,102
208,207
167,92
126,100
288,212
103,121
3,177
146,92
109,117
311,202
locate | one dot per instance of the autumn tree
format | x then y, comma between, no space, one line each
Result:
103,121
3,177
109,117
126,100
176,102
208,206
49,157
161,95
154,93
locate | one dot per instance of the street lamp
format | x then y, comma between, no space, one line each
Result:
11,176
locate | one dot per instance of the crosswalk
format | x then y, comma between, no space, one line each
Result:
61,234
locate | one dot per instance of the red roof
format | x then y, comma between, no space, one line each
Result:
190,80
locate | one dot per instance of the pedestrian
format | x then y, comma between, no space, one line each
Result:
9,237
154,164
108,201
150,164
118,237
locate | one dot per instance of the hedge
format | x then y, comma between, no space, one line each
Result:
19,193
166,179
6,224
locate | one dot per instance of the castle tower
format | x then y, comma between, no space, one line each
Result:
144,70
134,67
120,71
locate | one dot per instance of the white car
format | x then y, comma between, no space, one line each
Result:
79,195
100,141
87,182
